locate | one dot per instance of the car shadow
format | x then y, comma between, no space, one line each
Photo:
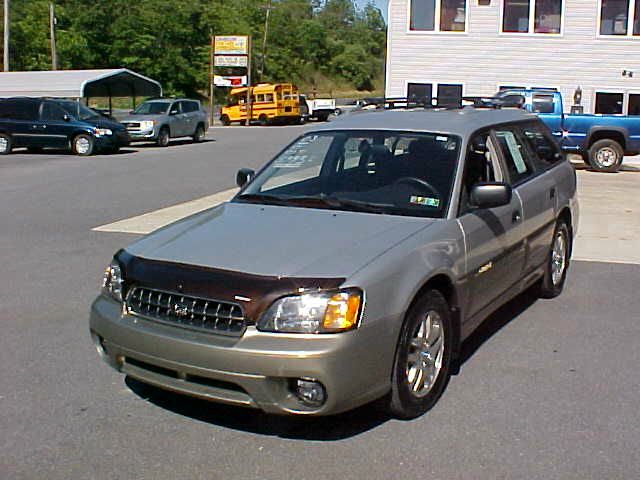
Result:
173,143
331,428
57,151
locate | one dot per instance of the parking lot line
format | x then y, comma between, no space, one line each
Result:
148,222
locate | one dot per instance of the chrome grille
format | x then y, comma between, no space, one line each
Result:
188,312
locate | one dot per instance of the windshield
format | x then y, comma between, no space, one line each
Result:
400,173
77,110
153,108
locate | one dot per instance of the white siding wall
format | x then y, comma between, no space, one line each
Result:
483,58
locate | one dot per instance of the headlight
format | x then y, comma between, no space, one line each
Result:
101,132
112,281
314,313
147,125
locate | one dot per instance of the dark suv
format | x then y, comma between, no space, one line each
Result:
38,123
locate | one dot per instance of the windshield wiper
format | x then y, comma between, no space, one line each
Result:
338,202
262,198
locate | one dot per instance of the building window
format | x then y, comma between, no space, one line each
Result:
450,15
609,103
634,104
420,92
620,17
449,94
532,16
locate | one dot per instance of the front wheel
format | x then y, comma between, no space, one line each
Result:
82,145
422,363
163,137
606,155
225,120
263,120
5,144
555,272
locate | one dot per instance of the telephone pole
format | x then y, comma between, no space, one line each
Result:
52,25
6,35
264,38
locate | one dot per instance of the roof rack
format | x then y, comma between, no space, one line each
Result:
496,102
393,103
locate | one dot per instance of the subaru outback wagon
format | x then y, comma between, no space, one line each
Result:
350,268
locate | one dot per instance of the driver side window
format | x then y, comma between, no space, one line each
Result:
481,166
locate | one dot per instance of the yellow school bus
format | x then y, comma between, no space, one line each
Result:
270,103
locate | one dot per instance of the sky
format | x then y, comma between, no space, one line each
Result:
381,4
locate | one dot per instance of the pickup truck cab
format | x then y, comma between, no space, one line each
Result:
602,140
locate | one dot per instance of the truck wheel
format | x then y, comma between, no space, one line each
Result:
323,117
606,155
555,272
199,134
82,145
225,120
263,120
5,144
163,137
422,363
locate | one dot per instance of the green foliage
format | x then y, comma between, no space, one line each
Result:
308,42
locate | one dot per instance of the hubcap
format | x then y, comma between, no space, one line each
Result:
426,349
4,144
82,145
558,258
606,157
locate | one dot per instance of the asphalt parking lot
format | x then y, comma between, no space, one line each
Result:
547,389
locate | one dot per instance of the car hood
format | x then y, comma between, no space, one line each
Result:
105,123
278,240
142,118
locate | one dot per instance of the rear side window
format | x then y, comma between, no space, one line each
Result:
188,107
544,150
19,110
542,103
515,155
51,111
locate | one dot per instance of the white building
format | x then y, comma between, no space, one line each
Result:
450,48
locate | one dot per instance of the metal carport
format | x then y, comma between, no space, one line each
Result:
78,84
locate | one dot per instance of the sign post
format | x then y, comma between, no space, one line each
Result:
232,53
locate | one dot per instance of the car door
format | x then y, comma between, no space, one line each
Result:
192,110
55,131
536,191
492,235
539,194
176,120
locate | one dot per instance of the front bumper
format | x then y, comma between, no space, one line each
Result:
117,140
255,370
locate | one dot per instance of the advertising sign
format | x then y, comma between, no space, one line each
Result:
230,61
229,81
231,45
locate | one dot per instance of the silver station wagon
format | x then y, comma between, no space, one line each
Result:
350,268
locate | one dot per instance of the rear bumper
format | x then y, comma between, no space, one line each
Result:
256,370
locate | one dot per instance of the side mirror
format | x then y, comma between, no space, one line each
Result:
66,118
244,176
173,112
131,112
490,195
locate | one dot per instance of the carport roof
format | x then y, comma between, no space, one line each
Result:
78,84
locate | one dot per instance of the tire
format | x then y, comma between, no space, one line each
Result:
163,137
82,145
225,120
323,117
199,134
555,272
263,120
606,155
428,318
243,122
6,144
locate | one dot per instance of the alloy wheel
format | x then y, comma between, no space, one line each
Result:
426,351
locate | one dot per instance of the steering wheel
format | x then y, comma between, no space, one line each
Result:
416,182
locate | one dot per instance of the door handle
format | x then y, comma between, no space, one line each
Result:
516,217
552,193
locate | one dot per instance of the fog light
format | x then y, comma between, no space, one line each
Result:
98,341
310,392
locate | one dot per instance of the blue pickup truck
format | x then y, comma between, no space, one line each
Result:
601,140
